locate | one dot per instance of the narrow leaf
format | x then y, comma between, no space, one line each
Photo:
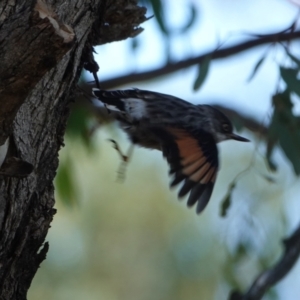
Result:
191,20
202,73
256,67
225,204
270,162
159,15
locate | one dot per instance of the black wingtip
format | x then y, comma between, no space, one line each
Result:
178,177
187,186
96,92
204,198
200,194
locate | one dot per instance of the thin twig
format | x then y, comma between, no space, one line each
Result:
270,277
171,67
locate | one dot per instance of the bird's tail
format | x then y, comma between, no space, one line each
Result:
111,99
130,102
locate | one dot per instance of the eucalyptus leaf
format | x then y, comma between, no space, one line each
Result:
78,125
134,44
64,183
270,147
285,127
256,67
227,200
159,15
293,58
289,75
191,20
202,73
289,142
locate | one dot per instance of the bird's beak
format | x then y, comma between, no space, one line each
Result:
236,137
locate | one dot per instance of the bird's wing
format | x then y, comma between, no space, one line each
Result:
193,160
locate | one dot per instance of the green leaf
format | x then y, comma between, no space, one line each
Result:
134,44
159,15
256,67
289,142
202,73
270,147
225,204
289,76
64,183
285,128
192,19
78,125
293,58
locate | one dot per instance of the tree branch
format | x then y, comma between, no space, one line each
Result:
171,67
270,277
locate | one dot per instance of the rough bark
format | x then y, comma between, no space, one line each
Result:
43,47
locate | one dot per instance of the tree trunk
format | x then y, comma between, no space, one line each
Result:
43,47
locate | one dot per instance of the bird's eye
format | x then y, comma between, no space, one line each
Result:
226,127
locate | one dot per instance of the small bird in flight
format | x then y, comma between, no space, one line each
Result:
186,134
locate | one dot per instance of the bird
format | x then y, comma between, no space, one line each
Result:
186,134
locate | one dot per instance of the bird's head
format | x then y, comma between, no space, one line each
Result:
220,126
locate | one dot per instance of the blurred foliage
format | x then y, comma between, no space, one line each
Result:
136,241
257,66
158,9
79,124
227,200
285,128
65,183
129,242
159,13
202,73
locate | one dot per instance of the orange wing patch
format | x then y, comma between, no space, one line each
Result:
193,160
195,165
